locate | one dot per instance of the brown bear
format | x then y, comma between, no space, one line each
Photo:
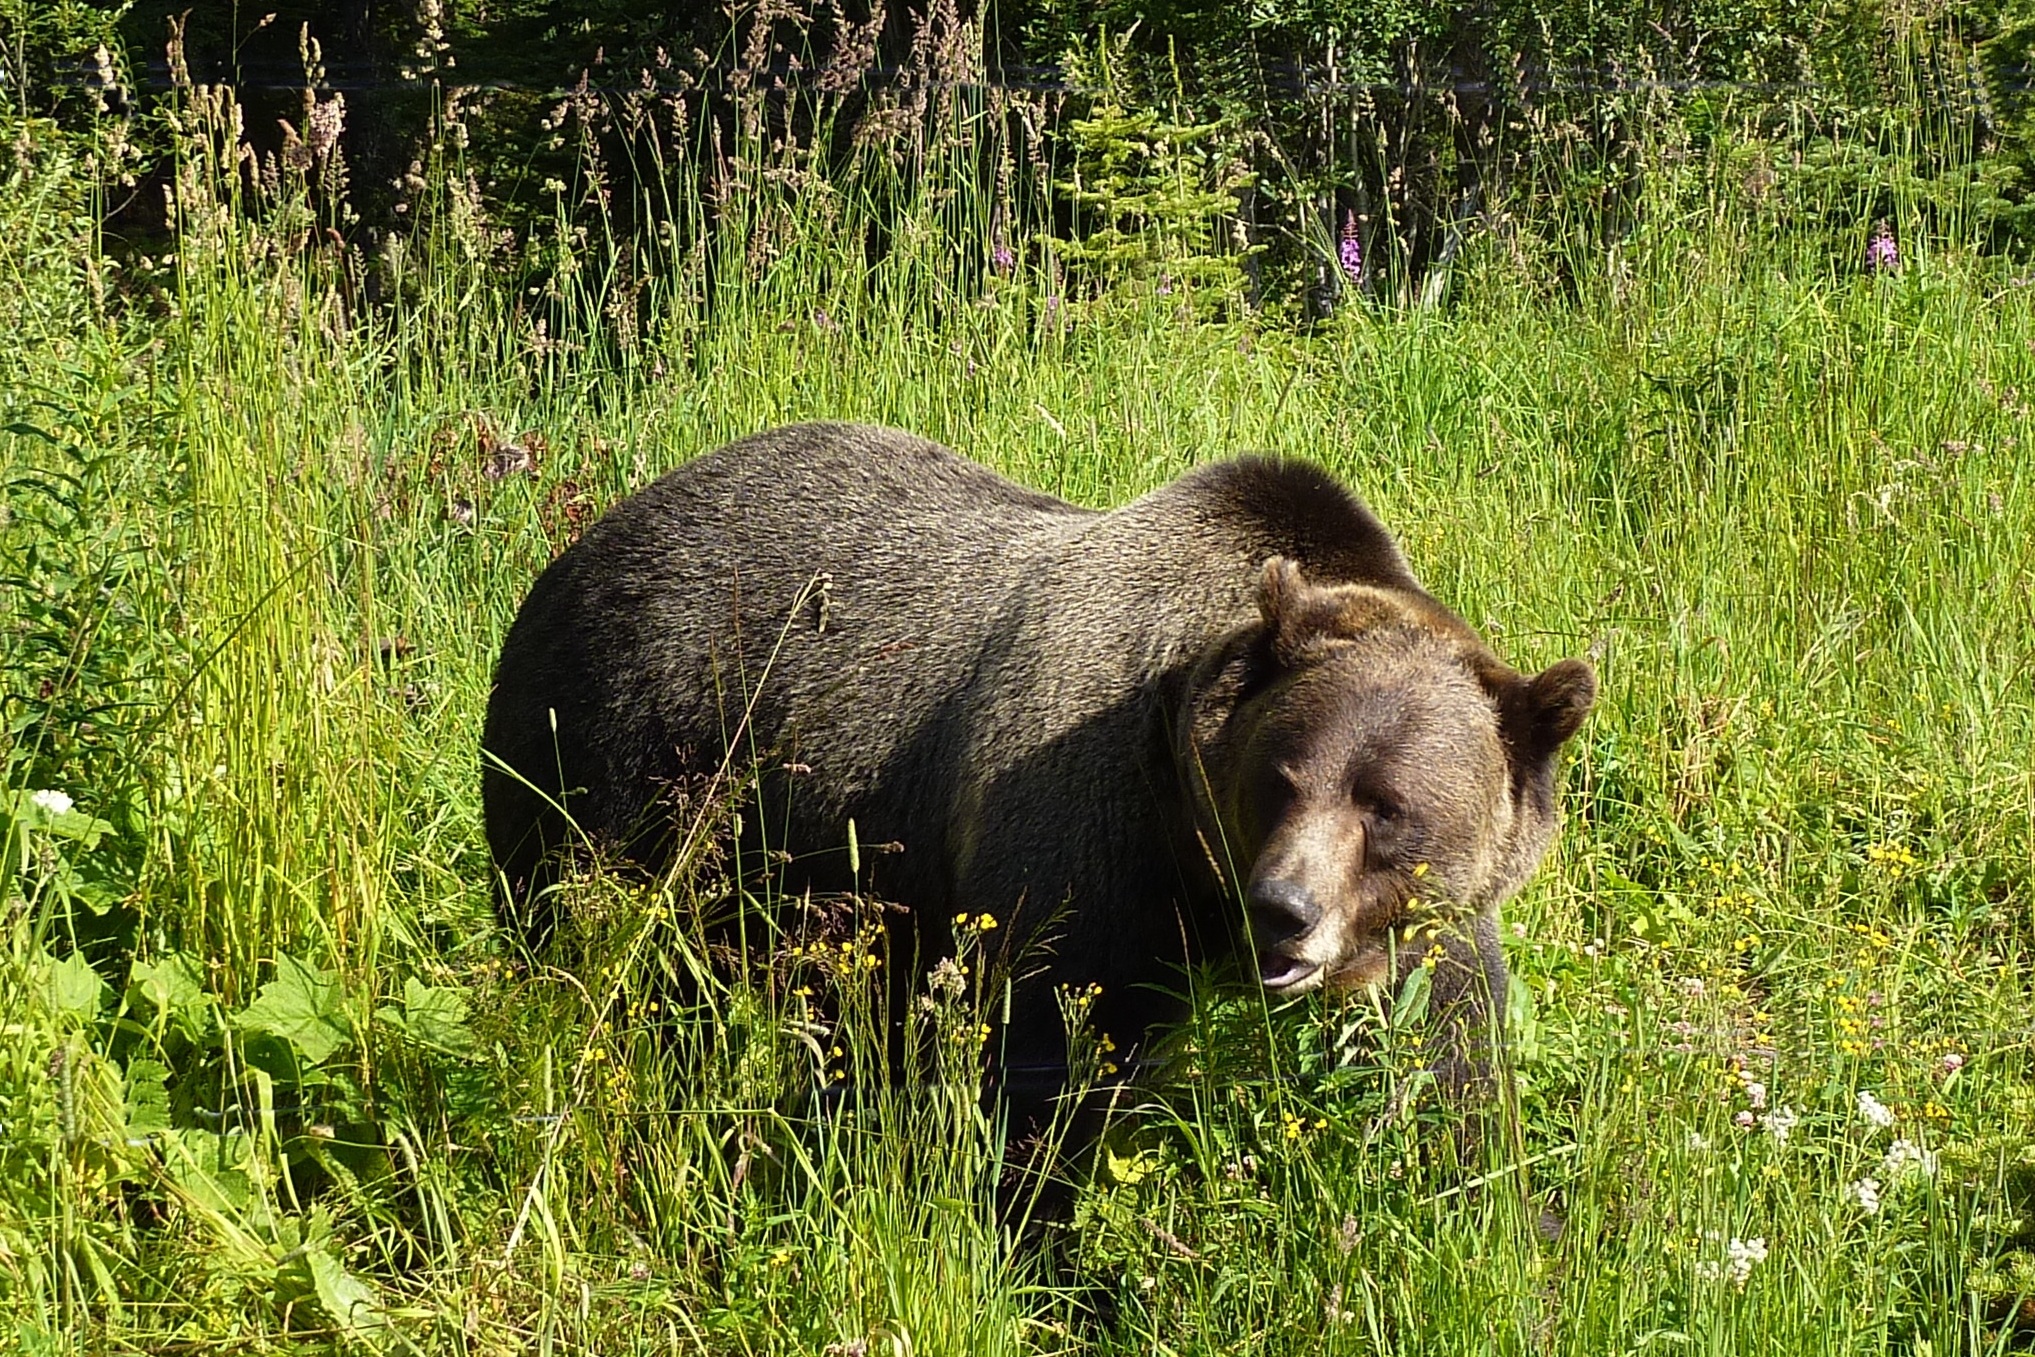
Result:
1224,719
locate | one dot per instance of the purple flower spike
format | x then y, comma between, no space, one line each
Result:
1351,251
1002,257
1881,254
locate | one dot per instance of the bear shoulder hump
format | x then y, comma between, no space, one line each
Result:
1284,506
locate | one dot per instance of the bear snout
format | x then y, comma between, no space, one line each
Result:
1283,909
1285,915
1309,929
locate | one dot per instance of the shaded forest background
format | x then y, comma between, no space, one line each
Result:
1307,150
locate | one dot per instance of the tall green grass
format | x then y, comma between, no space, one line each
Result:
274,1081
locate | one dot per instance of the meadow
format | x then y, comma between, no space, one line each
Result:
273,1080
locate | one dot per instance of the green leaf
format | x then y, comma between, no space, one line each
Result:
96,896
1129,1169
1522,1022
210,1167
303,1006
148,1099
345,1298
53,812
1410,1010
170,986
308,1269
432,1016
74,987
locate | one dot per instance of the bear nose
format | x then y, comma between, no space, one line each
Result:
1284,908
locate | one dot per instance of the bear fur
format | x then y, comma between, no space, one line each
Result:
1222,720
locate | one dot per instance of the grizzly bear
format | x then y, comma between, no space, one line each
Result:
1222,720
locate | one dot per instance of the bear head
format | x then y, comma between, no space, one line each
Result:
1364,765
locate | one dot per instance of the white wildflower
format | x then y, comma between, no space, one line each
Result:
1867,1190
1780,1123
1952,1062
1741,1256
51,800
1904,1157
1745,1119
1874,1111
1698,1142
1755,1093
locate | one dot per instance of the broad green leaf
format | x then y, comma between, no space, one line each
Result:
211,1167
74,987
309,1273
96,896
54,813
345,1298
303,1006
170,986
432,1016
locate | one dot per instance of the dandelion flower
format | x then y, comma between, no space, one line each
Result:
51,800
1874,1111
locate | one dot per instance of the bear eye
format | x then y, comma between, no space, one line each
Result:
1278,788
1385,824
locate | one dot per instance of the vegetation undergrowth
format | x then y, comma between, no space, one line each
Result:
273,1080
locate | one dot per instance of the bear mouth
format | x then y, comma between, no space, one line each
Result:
1283,974
1371,965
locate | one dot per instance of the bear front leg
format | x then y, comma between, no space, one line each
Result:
1466,1004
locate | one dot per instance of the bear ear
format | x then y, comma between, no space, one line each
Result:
1542,712
1282,603
1279,587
